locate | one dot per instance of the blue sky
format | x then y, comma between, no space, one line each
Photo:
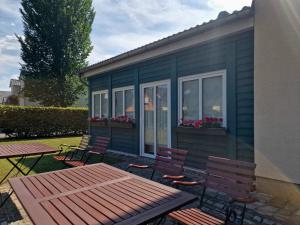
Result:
119,26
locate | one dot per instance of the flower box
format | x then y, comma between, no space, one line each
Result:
201,131
121,124
95,122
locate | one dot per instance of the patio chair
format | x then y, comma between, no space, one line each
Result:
168,161
233,177
68,152
99,148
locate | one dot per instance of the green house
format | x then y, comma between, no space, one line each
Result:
205,72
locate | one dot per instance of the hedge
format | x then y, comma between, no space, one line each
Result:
26,121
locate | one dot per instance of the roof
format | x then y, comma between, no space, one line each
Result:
14,82
222,19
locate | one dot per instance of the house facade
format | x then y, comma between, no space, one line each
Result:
206,72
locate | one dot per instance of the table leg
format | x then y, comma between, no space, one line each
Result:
15,165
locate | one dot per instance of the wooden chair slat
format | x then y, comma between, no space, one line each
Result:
233,176
231,162
229,169
170,160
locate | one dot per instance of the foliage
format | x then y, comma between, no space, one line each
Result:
55,46
12,100
23,121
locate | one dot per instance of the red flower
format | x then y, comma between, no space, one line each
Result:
198,124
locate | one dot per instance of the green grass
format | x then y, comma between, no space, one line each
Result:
47,163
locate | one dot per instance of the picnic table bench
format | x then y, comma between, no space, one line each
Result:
22,151
95,194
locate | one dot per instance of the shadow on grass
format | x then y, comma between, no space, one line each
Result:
9,211
47,163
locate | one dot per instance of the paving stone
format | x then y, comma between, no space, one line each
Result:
262,197
255,205
267,210
297,213
269,222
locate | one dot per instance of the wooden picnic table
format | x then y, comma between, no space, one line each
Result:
95,194
21,151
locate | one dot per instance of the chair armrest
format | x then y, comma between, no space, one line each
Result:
188,183
170,177
138,166
95,153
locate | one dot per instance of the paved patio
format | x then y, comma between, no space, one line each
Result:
266,211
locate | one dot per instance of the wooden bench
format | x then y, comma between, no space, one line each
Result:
73,151
168,161
233,177
99,148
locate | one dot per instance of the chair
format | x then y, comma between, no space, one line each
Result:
73,150
168,161
233,177
98,148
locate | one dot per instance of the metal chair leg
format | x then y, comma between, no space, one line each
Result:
152,174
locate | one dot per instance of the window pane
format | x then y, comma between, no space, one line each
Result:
96,105
119,103
149,120
190,100
162,115
212,97
129,103
104,105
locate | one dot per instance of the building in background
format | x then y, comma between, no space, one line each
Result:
3,96
242,67
16,86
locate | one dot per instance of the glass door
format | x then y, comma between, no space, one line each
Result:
155,117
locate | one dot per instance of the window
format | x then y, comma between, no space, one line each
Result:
123,102
100,104
203,95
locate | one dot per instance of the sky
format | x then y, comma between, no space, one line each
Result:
119,26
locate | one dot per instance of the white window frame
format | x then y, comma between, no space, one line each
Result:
93,96
123,89
200,77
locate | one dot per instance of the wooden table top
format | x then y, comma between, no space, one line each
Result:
18,150
95,194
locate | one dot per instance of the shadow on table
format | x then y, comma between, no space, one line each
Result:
9,212
47,163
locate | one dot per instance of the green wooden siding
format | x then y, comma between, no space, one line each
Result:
233,53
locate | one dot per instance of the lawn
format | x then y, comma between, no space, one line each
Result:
47,163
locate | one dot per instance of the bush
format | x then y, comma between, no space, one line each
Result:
25,121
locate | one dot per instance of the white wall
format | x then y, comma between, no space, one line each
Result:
277,89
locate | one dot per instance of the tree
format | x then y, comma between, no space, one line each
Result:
55,46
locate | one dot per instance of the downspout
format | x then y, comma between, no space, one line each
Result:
86,84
